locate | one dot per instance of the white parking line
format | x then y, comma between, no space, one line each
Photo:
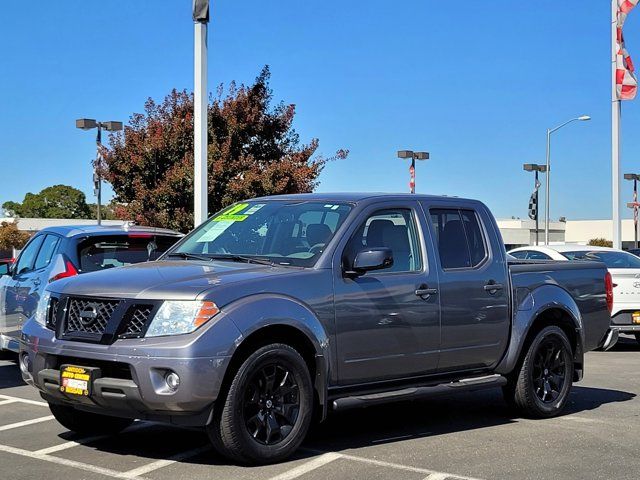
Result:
24,400
397,466
26,422
308,466
85,440
5,402
437,476
150,467
61,461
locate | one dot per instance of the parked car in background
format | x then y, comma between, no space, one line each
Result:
635,251
5,264
57,252
625,272
283,308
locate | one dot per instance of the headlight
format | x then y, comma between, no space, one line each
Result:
178,317
42,308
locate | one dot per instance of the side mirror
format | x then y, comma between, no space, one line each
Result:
368,259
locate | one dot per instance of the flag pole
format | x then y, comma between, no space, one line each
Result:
615,131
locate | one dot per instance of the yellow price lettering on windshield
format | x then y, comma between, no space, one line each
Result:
231,215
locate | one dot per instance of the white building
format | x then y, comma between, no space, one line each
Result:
517,232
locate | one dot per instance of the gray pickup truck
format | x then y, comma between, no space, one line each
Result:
279,310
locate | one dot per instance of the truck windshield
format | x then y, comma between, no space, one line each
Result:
610,259
283,232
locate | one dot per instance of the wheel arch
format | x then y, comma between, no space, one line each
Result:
265,319
537,309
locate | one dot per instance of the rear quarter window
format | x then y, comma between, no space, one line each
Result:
110,251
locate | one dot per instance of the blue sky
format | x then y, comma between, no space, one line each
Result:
474,83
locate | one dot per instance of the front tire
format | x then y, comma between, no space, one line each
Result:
267,410
543,382
88,423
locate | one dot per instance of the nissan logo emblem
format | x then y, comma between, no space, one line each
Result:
88,314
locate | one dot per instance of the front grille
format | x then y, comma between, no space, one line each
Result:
52,314
136,321
89,316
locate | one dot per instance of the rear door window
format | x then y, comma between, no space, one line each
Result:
459,236
47,251
110,251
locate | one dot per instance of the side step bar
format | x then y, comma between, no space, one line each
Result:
414,393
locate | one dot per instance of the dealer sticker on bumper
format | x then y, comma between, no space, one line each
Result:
75,380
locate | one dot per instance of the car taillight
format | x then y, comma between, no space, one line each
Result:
69,271
608,287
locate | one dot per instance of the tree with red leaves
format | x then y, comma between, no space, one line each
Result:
253,151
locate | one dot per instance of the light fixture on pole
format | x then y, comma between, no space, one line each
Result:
534,211
582,118
635,177
412,169
200,102
111,126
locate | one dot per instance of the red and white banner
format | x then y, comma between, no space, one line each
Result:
626,81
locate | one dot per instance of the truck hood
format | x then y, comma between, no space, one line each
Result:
163,280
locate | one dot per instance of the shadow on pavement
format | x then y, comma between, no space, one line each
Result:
10,372
364,427
626,344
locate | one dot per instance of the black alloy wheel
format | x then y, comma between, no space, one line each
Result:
549,370
271,404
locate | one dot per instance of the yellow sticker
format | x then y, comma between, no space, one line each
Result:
231,215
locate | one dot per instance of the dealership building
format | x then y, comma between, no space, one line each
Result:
518,233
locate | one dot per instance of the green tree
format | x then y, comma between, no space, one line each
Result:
253,151
57,201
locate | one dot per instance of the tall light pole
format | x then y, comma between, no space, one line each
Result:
412,169
635,177
200,102
532,167
583,118
111,126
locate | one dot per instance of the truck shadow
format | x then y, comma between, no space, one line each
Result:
9,372
439,416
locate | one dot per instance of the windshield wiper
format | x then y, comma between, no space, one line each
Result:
189,256
241,258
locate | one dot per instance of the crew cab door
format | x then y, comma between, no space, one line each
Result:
387,325
474,293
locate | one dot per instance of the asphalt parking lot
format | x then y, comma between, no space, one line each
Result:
470,436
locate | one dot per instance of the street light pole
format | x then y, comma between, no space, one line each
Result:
548,181
200,103
112,126
412,169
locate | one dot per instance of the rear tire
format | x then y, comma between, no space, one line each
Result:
266,412
88,423
540,387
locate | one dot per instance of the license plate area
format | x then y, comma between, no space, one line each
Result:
76,380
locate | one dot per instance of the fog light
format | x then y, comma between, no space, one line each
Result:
25,363
173,381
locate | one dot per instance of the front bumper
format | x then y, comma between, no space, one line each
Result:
131,383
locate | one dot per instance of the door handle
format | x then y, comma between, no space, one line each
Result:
425,291
493,287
